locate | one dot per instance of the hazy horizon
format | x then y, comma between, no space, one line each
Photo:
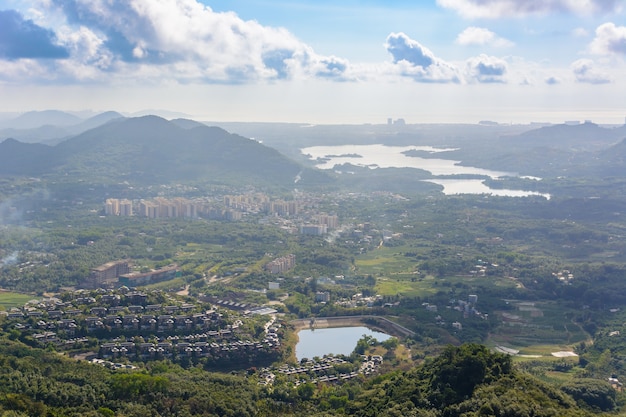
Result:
7,117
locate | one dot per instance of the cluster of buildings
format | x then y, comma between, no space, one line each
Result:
119,272
282,264
261,203
322,296
161,207
107,273
117,207
324,370
565,276
358,300
321,225
466,307
134,279
201,345
232,208
128,327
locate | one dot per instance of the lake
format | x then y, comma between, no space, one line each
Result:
383,156
454,187
336,340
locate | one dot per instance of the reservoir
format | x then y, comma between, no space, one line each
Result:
336,340
383,156
454,187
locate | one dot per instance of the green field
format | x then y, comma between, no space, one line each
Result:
535,328
13,299
529,326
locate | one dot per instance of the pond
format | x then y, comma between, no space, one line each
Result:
336,340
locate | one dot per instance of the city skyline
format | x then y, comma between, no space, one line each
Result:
442,61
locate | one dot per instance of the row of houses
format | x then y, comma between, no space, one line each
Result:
152,322
180,349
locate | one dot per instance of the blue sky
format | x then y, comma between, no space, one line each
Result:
354,61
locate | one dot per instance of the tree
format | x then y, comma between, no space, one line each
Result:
306,391
595,393
458,370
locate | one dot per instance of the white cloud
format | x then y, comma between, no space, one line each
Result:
521,8
585,72
610,40
486,69
412,59
86,47
23,70
480,36
185,36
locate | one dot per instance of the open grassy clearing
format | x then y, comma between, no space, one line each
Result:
175,283
13,299
385,260
556,377
394,286
537,328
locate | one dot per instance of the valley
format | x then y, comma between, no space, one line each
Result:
530,275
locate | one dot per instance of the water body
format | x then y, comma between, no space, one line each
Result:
383,156
455,187
337,340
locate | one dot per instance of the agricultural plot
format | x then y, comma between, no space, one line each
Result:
9,300
537,328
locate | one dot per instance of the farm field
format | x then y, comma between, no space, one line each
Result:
537,328
12,299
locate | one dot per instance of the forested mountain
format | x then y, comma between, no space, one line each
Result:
17,158
468,381
583,150
153,150
580,137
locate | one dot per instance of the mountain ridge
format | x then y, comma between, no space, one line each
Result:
152,149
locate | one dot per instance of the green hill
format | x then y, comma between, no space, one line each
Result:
152,150
465,381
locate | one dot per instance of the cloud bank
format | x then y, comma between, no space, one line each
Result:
184,42
181,39
521,8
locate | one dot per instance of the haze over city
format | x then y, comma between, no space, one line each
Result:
443,61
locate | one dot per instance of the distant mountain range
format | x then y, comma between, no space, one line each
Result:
560,150
581,137
54,126
111,147
51,126
152,150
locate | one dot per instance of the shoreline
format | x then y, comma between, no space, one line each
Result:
377,323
